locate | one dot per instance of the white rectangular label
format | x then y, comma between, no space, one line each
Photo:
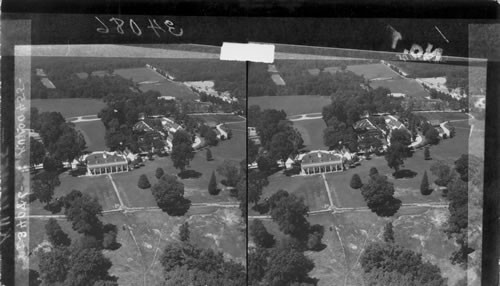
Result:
262,53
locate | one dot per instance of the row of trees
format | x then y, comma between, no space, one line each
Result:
283,262
81,261
388,264
185,264
59,138
277,134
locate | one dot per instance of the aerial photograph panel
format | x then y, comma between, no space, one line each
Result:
137,168
364,171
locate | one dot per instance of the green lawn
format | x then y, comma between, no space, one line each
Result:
407,190
169,88
371,71
408,86
219,118
312,133
139,74
98,186
291,104
94,133
196,189
444,116
311,188
69,107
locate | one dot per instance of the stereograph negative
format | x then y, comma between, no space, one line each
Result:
140,155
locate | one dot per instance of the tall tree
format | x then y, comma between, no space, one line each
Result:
37,152
443,172
212,185
256,182
391,258
378,194
396,154
356,182
287,266
54,266
388,232
462,167
87,266
230,170
182,150
83,211
143,182
209,155
290,212
159,172
55,234
424,185
169,195
184,232
257,264
260,235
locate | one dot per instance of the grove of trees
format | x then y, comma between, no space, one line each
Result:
379,196
169,195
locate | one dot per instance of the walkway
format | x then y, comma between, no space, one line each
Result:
83,118
332,205
307,116
122,205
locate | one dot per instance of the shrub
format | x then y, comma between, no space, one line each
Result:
373,171
427,153
209,155
143,182
159,173
356,182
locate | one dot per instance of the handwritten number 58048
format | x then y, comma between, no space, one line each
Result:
119,26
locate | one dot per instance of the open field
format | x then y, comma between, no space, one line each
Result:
408,86
99,187
219,118
69,107
93,132
196,189
139,75
444,116
371,71
312,133
291,104
151,80
347,235
311,188
169,88
144,235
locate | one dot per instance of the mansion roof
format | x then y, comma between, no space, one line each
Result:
321,158
105,159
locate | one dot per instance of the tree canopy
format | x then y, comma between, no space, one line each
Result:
378,194
169,195
182,150
393,264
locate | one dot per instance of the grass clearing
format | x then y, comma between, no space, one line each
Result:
444,116
312,133
97,186
408,86
137,260
139,75
196,189
94,133
371,71
69,107
291,104
311,188
219,118
169,88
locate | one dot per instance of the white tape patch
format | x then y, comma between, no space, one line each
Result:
261,53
